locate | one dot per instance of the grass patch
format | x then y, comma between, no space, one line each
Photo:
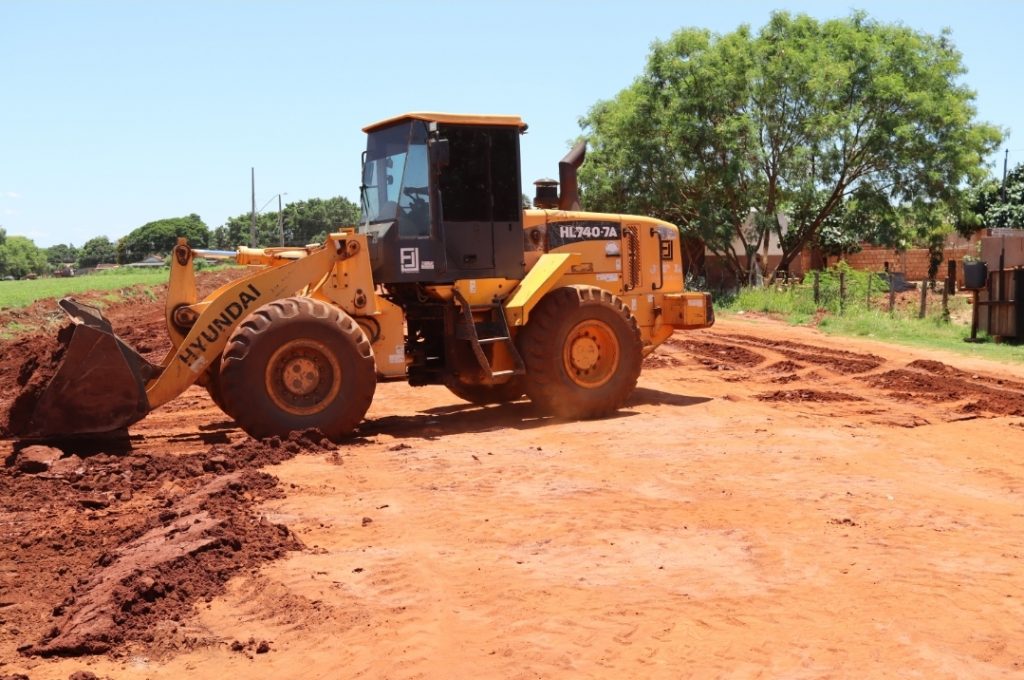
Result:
791,303
864,313
14,294
931,332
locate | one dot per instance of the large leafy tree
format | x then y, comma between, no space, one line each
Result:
160,237
62,253
304,222
20,256
826,122
991,204
97,250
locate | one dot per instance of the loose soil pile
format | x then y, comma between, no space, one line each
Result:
716,355
945,385
123,545
40,359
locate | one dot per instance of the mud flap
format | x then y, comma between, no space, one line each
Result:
99,387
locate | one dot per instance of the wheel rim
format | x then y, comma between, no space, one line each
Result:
303,377
590,354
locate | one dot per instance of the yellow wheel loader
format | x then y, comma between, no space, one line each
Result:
448,281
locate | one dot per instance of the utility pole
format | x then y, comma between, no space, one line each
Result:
252,229
280,219
1006,159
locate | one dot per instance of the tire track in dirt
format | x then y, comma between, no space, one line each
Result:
953,394
838,361
934,382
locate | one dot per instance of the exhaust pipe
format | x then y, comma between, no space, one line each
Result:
570,198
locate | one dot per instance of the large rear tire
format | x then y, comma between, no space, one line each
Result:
488,394
583,352
295,364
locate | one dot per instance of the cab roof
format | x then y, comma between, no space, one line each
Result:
452,118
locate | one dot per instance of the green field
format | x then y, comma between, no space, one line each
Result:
14,294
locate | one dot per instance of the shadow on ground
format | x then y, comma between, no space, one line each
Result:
460,418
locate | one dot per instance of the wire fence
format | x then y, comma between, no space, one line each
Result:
845,290
841,290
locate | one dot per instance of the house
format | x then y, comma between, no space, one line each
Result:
716,270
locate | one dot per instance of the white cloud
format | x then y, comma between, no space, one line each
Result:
12,194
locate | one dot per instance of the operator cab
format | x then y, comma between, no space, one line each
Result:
441,198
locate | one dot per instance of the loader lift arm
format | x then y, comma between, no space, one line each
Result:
77,389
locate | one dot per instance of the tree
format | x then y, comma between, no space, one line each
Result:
805,118
160,237
310,221
61,254
304,222
987,207
20,256
98,250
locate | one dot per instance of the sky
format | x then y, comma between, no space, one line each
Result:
115,114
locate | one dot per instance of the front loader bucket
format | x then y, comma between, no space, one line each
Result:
98,387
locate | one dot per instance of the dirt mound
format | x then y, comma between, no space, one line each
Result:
118,546
939,368
940,383
41,357
718,355
817,396
185,555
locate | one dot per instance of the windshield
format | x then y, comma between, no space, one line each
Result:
396,177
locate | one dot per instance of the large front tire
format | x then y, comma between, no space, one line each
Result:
583,352
296,364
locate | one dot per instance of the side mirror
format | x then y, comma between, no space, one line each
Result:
440,152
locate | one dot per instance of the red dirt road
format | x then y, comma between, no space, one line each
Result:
772,502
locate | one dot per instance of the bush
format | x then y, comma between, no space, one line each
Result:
841,290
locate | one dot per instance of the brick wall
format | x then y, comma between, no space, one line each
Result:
913,263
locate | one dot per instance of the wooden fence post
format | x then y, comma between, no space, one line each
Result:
842,292
924,299
817,287
892,293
